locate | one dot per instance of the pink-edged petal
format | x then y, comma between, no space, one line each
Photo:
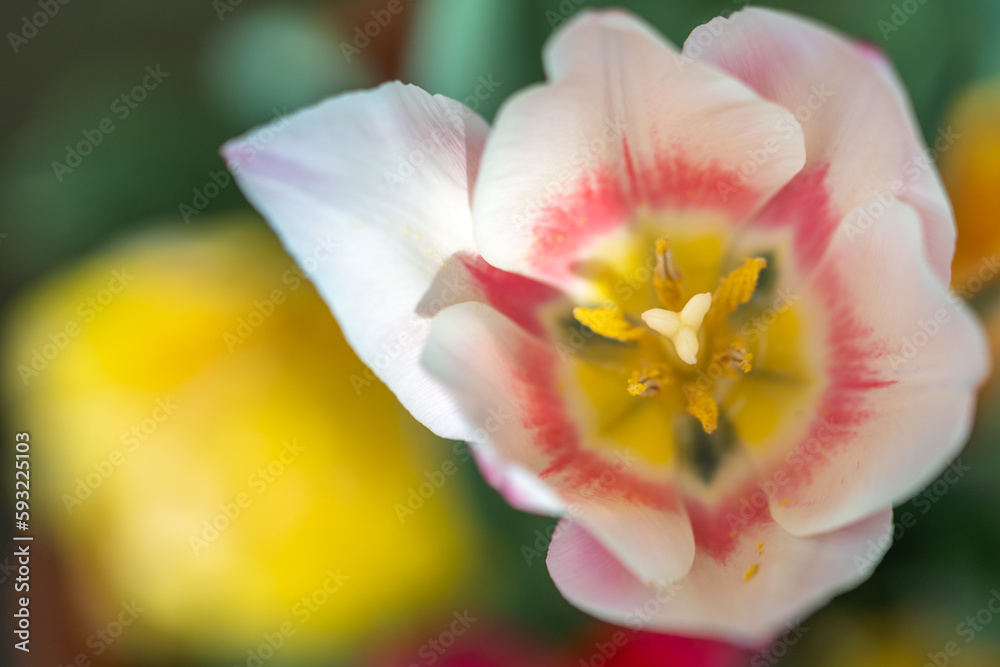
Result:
519,487
719,597
369,191
860,133
466,277
625,127
506,381
903,362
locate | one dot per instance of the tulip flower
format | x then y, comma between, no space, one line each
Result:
695,303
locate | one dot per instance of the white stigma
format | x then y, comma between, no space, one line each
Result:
681,328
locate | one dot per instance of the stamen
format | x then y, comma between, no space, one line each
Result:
609,322
735,358
667,278
681,328
702,407
648,381
736,289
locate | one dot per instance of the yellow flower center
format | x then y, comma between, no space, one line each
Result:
683,329
686,345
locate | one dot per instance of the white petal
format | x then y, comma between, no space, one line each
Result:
794,577
903,360
507,383
624,125
861,136
369,191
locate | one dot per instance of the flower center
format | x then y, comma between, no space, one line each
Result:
681,332
709,361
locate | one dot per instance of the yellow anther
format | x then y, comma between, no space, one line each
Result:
609,322
751,571
735,358
667,278
736,288
681,328
648,381
742,358
637,388
702,407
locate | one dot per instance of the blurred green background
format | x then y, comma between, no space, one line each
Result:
148,195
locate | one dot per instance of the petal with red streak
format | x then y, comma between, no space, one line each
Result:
624,127
507,382
860,134
903,361
794,577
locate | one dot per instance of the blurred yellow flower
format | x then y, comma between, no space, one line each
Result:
898,637
971,172
207,445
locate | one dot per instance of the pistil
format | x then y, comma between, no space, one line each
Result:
681,328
